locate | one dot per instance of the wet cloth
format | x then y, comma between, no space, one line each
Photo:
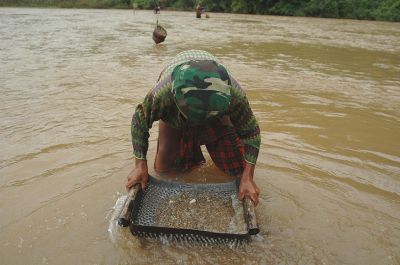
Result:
159,104
223,145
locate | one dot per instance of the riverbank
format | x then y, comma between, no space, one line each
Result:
386,10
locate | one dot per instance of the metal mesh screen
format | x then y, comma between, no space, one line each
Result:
195,211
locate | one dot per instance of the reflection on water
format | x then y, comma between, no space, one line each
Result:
325,92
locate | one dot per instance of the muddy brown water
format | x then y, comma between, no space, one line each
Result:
326,93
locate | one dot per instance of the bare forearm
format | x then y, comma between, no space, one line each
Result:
248,171
141,164
248,187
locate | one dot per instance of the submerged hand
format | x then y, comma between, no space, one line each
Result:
139,174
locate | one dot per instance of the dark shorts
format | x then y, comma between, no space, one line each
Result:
222,143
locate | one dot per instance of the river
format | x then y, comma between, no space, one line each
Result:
326,93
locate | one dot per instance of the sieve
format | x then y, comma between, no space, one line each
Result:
189,211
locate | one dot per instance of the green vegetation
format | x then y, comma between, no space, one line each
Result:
69,3
359,9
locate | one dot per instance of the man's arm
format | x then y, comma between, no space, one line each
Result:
156,102
245,124
247,128
248,187
142,121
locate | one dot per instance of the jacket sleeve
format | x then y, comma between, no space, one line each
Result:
152,109
245,123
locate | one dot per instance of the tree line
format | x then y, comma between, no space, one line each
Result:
388,10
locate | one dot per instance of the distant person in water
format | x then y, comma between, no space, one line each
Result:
197,102
199,11
157,10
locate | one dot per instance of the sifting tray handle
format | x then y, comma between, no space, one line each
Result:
124,216
250,216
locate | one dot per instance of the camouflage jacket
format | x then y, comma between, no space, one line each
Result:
159,104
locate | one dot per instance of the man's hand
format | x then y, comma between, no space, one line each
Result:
139,174
248,187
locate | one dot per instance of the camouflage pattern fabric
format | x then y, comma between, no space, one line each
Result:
160,104
201,89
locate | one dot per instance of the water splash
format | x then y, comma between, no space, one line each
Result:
114,230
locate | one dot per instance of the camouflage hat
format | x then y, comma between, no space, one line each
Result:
201,90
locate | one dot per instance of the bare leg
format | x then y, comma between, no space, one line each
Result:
167,147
